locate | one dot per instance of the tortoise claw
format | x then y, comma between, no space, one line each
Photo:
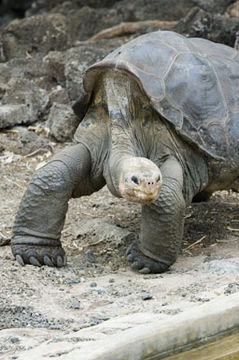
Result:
136,265
145,270
34,261
39,255
47,261
130,258
128,252
143,263
20,260
59,261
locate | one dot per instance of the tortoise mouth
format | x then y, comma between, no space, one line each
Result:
141,194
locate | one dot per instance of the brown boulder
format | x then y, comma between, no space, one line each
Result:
36,34
218,28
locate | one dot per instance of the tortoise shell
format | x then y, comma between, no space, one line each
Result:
191,82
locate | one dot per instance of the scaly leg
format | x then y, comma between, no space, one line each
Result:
41,215
162,225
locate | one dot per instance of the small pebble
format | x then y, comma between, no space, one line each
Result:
184,294
14,339
147,296
101,290
93,284
111,280
165,303
73,281
89,255
75,304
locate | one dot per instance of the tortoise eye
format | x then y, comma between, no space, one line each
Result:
158,179
135,180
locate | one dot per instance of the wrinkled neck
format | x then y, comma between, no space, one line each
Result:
118,160
118,92
119,99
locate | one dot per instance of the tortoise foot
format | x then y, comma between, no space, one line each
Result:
38,255
143,263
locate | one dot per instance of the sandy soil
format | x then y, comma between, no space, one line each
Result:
39,304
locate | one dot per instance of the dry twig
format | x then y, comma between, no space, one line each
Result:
131,28
195,243
232,229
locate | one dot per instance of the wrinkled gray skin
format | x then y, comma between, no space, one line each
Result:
127,140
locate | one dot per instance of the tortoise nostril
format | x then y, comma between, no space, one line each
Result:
135,180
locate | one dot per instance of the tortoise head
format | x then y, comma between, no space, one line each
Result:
140,180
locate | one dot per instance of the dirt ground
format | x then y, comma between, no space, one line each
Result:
41,304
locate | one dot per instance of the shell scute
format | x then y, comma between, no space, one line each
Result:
193,87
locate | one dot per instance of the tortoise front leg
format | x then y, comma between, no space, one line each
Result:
162,225
41,215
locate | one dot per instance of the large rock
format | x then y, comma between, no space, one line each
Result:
37,34
24,142
25,91
55,61
213,6
27,68
13,114
153,10
218,28
55,5
59,95
87,21
62,122
22,103
5,74
2,53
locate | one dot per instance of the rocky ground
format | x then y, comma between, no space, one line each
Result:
45,46
40,306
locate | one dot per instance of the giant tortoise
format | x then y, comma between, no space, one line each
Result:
160,127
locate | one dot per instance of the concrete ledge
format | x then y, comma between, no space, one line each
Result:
145,342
